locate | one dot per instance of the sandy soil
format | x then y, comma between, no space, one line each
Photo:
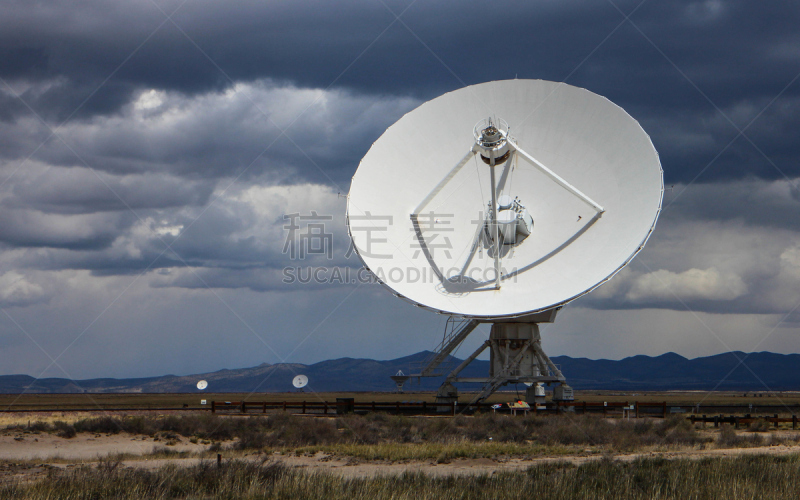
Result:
43,446
29,456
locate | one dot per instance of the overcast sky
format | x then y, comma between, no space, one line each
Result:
149,150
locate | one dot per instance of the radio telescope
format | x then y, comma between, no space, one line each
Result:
300,381
202,384
500,203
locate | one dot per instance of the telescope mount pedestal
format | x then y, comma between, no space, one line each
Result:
516,356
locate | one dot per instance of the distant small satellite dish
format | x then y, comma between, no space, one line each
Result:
202,385
300,381
528,383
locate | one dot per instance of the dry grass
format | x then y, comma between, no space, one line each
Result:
388,438
439,452
730,478
545,431
396,438
23,419
282,430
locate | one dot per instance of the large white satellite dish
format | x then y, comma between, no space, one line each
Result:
503,201
426,165
202,384
300,381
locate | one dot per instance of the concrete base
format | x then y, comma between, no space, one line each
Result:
563,392
446,394
535,395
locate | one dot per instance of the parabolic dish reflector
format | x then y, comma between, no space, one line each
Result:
300,381
578,189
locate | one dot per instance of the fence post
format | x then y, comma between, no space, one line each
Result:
244,410
326,407
794,421
264,408
716,421
424,407
284,406
665,409
776,420
213,407
637,408
304,407
453,408
736,421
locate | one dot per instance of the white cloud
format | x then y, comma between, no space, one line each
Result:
693,284
790,262
727,248
262,125
705,11
17,290
149,99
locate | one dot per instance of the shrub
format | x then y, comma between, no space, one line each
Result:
758,425
99,425
64,430
38,426
728,438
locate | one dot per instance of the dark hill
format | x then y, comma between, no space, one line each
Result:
759,371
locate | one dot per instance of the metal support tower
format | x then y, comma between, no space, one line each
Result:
516,357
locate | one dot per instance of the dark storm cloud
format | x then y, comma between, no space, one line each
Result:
29,228
756,204
239,241
143,175
80,190
740,54
715,42
146,243
165,131
234,134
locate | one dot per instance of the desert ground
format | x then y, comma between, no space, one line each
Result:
42,438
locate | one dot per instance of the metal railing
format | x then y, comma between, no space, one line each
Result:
637,409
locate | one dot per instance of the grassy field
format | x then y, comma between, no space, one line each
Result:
61,402
396,438
254,447
730,478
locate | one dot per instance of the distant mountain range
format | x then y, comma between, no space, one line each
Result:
760,371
